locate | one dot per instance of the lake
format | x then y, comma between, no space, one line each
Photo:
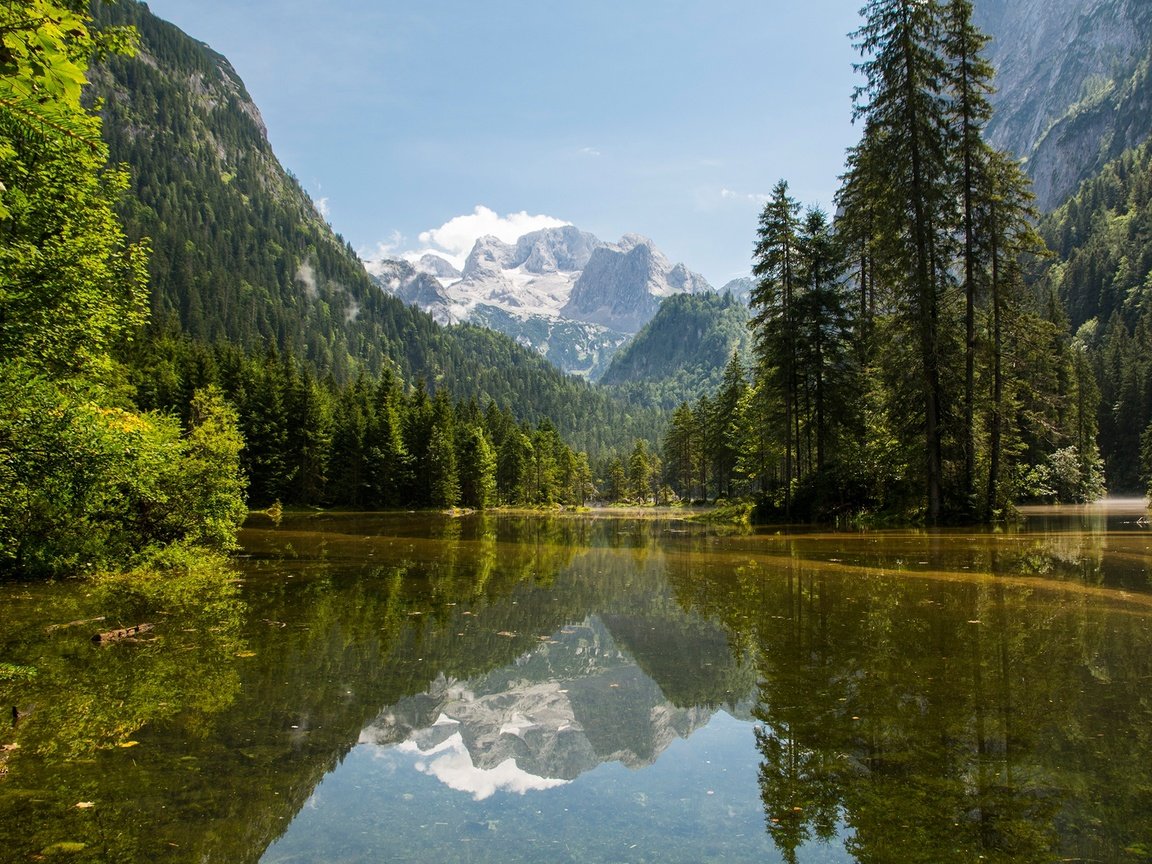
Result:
577,688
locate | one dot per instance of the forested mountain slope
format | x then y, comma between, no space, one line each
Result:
239,253
681,353
1102,237
1074,98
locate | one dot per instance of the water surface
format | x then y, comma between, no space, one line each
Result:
505,688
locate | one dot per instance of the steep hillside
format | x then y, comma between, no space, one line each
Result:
1074,81
241,255
680,354
1103,273
1103,239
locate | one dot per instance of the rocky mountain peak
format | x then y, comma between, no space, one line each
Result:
436,266
623,284
488,258
552,250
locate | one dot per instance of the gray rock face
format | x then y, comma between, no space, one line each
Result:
562,291
1073,84
488,259
621,286
555,250
740,288
415,287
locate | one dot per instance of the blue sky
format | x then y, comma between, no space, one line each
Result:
665,119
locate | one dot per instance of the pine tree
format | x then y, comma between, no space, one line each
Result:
388,462
776,263
443,478
824,330
681,451
477,461
970,80
727,418
641,471
904,105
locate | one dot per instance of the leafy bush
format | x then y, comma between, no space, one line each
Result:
88,486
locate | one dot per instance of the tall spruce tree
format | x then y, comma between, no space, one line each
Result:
905,106
970,80
728,407
776,267
824,328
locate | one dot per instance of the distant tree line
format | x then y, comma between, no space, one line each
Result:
372,443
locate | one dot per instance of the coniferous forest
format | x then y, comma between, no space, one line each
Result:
905,359
181,333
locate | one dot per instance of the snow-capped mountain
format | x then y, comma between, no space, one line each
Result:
562,291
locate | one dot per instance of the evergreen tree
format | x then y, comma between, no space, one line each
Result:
546,481
641,472
970,80
823,325
443,479
477,468
388,456
309,435
514,467
903,102
617,486
582,485
682,452
349,469
776,263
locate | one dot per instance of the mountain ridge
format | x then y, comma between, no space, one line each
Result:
563,292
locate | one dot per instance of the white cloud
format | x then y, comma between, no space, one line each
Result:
392,247
755,197
321,205
590,151
306,275
455,238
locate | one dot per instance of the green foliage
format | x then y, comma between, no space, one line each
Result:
477,469
443,479
679,355
45,49
962,363
86,483
70,283
88,486
208,504
642,473
1103,237
373,445
804,362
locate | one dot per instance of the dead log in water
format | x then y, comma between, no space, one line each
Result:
120,635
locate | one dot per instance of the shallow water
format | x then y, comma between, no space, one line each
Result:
505,688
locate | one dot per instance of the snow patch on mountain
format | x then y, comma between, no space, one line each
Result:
562,291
